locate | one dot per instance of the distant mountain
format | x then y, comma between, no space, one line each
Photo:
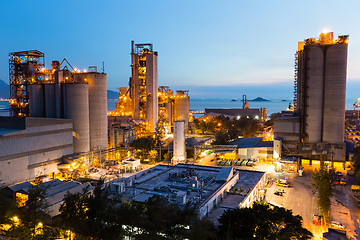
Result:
259,99
112,94
4,89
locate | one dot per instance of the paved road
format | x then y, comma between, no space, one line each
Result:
302,200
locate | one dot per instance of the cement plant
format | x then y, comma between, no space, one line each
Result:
60,136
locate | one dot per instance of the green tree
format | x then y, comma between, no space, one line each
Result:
356,163
143,146
261,222
321,181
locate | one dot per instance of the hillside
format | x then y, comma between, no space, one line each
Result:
112,94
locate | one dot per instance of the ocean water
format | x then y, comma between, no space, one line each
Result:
273,106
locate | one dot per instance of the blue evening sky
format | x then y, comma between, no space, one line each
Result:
216,48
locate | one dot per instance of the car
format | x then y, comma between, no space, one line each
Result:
355,188
279,192
339,174
282,183
318,219
337,225
342,181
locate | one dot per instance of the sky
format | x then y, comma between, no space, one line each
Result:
212,48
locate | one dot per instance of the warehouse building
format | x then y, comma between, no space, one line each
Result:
31,148
202,186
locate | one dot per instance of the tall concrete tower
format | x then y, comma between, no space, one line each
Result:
144,84
320,89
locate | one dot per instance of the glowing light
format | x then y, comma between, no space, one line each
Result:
325,30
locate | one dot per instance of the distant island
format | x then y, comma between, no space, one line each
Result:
259,99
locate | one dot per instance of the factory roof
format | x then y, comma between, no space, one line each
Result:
55,192
251,142
190,183
20,187
171,180
247,181
225,174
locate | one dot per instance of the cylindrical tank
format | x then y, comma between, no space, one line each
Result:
97,109
76,107
36,100
179,147
50,109
335,91
182,107
314,96
168,107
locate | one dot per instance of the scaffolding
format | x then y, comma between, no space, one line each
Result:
296,71
25,68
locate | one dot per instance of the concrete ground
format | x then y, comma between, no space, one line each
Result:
301,198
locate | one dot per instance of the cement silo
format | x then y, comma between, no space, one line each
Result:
37,100
169,112
179,147
182,107
320,92
50,100
335,89
151,91
76,107
314,98
97,109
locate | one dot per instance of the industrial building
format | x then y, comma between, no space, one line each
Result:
315,131
60,93
254,148
32,148
150,106
206,188
237,113
120,131
144,84
54,196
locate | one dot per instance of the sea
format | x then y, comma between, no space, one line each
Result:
199,104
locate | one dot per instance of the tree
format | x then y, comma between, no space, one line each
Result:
261,222
142,147
221,138
356,163
91,215
321,181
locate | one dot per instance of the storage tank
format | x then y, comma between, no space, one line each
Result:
76,107
179,146
50,109
169,112
152,110
97,109
37,100
182,107
314,98
335,91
